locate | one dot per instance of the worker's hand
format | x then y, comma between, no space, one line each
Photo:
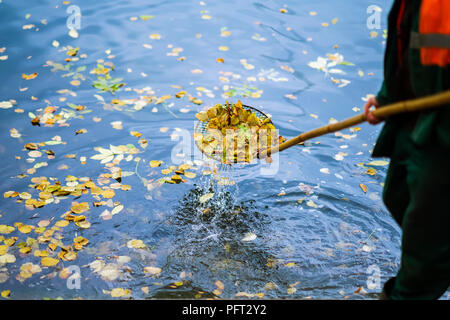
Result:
372,102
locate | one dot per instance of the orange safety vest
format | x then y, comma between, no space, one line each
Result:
433,38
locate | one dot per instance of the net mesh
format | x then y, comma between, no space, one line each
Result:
202,127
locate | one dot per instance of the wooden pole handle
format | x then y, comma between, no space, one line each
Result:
428,102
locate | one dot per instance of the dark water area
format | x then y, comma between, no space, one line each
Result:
315,227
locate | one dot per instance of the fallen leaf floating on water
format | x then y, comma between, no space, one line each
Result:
152,270
6,293
73,33
24,229
80,207
108,194
206,197
4,229
117,125
155,163
6,105
291,290
363,187
29,76
120,293
378,163
176,178
219,284
49,262
249,237
136,244
136,134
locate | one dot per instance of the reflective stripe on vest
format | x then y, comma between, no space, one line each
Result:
433,38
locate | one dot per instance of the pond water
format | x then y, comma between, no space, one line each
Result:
314,228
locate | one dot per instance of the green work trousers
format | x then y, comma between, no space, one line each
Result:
417,193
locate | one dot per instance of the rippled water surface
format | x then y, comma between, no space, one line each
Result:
310,230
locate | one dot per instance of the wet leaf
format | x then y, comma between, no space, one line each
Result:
7,258
219,285
4,229
120,293
378,163
117,209
24,229
155,163
80,207
136,244
6,105
29,76
49,262
152,270
206,197
250,236
108,194
84,224
5,293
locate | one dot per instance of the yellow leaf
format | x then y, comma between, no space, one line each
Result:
190,175
291,290
155,163
220,285
176,178
6,293
135,243
363,187
109,193
290,264
24,195
49,262
155,36
83,224
69,256
119,292
4,229
206,197
29,76
152,270
3,249
80,207
136,134
217,292
40,253
378,163
25,228
62,223
25,250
